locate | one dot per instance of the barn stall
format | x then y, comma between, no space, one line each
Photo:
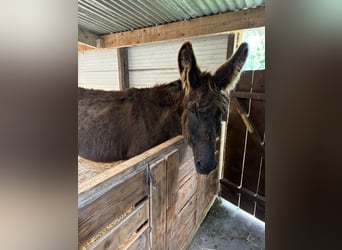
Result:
156,199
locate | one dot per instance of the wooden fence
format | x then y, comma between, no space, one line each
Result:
155,200
243,181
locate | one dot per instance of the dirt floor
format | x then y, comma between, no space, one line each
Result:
228,227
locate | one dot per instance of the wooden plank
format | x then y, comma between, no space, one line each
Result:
249,123
172,163
123,68
252,164
213,185
257,116
249,95
158,205
254,156
232,186
251,89
199,220
259,81
95,187
247,203
185,225
83,46
99,203
261,187
230,194
243,114
185,168
188,210
209,25
201,193
245,81
236,133
141,241
185,154
260,211
118,235
186,190
95,216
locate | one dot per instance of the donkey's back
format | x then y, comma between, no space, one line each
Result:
117,125
103,130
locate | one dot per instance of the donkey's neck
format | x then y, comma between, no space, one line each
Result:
165,103
170,94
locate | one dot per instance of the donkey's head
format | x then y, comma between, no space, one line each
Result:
204,102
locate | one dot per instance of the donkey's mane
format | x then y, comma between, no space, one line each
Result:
162,94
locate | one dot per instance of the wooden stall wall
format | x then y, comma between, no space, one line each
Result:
154,200
243,181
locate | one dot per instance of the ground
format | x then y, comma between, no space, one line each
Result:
228,227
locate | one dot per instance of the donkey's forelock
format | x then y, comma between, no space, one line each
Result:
208,95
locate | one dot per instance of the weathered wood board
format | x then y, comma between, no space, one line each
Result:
121,207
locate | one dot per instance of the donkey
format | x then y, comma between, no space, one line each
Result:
117,125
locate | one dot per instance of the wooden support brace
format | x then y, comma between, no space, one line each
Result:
243,114
249,95
247,121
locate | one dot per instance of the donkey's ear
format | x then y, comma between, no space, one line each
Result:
228,74
188,69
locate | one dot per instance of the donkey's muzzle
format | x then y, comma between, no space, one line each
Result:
205,167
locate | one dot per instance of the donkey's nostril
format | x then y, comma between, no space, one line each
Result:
198,163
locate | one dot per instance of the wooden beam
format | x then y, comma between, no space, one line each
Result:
86,36
83,46
252,195
249,95
209,25
123,68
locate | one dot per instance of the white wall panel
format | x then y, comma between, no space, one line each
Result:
149,64
98,69
157,63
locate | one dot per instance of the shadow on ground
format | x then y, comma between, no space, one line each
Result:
228,227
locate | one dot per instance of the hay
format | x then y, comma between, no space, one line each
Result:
106,229
88,169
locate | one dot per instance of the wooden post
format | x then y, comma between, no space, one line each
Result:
123,68
230,45
99,43
172,163
158,203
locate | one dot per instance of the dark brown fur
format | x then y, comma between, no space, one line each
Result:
117,125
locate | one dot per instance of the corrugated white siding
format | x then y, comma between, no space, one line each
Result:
157,63
98,69
148,64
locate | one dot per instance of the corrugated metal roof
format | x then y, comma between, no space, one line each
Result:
105,16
